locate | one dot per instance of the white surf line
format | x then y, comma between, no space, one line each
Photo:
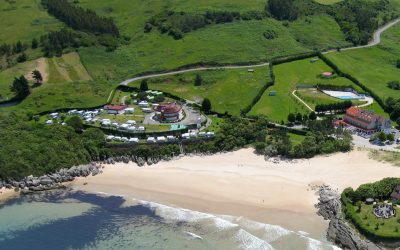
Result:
126,82
298,98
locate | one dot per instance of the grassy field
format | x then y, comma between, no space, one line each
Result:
243,41
288,76
68,85
24,20
328,2
376,66
67,68
228,90
380,227
7,77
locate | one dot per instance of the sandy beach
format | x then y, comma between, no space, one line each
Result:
241,183
6,194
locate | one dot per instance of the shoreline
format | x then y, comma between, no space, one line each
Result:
241,183
6,194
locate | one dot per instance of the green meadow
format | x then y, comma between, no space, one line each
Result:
236,42
24,20
376,66
328,2
228,90
67,84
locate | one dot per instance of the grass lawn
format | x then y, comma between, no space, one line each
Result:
376,66
242,41
296,139
288,76
228,90
386,227
24,20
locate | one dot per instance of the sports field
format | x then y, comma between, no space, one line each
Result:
228,90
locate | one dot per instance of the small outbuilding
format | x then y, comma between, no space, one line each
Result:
369,201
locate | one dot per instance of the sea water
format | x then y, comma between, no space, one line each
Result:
75,220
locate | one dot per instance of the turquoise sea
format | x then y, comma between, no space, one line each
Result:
66,219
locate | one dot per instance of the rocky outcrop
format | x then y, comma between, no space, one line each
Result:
339,232
52,181
140,161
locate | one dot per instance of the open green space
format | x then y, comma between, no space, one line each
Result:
242,41
328,2
386,227
229,90
68,85
374,67
24,20
288,77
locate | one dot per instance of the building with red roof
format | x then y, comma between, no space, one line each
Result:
168,112
115,109
365,120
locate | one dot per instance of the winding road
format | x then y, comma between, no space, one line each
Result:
375,41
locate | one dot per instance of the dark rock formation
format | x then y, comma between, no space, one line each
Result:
339,232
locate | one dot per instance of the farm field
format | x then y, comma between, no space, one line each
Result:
24,20
243,40
228,90
288,76
374,67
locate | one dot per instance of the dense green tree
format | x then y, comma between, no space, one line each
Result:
37,76
20,87
143,85
22,57
312,116
76,123
292,118
398,63
299,117
81,19
206,106
198,80
284,9
34,43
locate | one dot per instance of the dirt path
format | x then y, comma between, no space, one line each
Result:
303,102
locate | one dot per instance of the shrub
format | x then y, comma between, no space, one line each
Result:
270,34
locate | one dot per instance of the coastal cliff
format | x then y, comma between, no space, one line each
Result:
339,232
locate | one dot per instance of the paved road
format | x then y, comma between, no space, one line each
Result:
134,79
376,38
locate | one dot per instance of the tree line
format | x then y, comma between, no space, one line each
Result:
333,107
79,18
393,109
